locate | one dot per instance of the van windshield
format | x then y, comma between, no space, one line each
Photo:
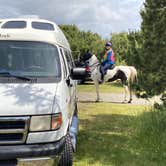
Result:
29,58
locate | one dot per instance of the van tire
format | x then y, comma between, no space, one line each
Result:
66,158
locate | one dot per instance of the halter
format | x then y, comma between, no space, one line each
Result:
96,64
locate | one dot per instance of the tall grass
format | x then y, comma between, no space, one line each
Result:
151,134
115,135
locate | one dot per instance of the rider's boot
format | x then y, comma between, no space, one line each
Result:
101,80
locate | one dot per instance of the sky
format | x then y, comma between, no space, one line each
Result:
99,16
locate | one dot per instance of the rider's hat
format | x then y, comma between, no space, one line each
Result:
108,44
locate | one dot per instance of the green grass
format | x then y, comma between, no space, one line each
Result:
115,135
107,135
152,134
36,163
104,88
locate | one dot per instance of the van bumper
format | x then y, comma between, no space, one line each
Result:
31,151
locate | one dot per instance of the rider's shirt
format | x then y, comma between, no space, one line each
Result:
109,57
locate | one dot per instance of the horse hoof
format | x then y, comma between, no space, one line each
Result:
98,100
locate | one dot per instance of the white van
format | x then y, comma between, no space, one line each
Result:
38,108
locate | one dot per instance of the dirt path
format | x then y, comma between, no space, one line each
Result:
110,97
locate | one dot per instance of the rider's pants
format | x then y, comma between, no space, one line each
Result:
104,69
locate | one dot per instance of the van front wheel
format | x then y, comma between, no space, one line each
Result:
66,158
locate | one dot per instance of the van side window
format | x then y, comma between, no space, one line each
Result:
73,64
69,60
14,24
64,64
42,26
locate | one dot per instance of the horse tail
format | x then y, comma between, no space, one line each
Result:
133,77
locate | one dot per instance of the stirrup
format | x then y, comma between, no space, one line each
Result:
101,80
111,67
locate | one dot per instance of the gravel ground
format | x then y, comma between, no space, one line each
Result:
111,97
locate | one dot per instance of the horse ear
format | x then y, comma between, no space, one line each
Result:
90,54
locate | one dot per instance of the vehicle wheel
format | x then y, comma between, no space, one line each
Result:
66,158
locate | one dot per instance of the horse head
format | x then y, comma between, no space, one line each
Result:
86,56
93,60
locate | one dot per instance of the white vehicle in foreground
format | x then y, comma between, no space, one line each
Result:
38,108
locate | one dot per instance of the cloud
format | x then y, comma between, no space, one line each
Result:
98,16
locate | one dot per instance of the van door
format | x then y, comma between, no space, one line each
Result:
71,84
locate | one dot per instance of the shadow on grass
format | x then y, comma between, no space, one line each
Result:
117,140
113,102
117,84
87,83
104,139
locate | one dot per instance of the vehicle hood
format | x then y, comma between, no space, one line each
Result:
27,99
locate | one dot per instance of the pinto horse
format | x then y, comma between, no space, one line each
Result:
127,75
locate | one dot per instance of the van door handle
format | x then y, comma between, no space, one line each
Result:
71,85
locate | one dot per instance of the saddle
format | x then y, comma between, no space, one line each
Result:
112,67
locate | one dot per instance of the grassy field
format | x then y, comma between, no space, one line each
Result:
118,134
107,135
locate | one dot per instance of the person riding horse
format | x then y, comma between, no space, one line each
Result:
109,61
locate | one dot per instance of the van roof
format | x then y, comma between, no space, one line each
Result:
30,29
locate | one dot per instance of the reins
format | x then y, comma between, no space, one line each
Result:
96,63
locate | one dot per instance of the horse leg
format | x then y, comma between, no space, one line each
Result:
130,94
97,90
126,89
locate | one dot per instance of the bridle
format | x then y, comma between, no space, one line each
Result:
95,65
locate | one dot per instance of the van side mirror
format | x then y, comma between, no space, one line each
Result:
78,73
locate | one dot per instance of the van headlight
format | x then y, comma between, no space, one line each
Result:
46,122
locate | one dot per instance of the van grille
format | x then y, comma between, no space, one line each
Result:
13,130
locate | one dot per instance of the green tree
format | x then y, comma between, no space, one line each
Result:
120,46
81,41
134,51
153,63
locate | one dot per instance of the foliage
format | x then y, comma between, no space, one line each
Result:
151,131
81,41
153,63
120,46
134,54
